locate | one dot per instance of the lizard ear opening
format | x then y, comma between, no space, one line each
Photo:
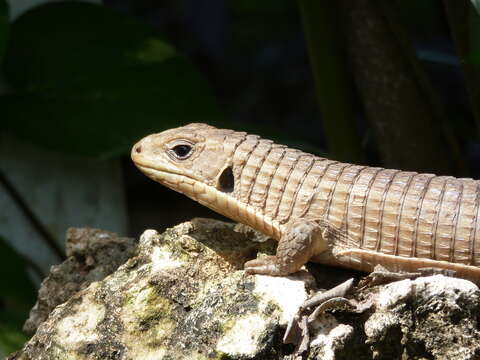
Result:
226,181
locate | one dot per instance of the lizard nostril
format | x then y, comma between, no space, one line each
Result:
138,149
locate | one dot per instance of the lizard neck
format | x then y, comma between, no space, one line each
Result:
229,206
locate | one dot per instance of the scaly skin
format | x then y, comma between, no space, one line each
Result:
321,210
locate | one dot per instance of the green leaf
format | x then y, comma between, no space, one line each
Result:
11,336
473,58
464,23
476,4
333,87
91,81
3,27
17,296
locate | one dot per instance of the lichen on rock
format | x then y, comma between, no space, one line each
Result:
177,299
183,294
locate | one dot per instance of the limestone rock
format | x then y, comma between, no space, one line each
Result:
430,317
177,299
183,295
92,254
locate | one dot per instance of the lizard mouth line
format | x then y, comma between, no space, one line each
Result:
158,174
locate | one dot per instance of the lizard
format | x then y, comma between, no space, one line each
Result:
318,209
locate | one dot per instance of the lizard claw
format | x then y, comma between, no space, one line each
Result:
297,332
267,265
380,275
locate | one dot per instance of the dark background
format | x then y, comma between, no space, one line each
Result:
382,83
256,61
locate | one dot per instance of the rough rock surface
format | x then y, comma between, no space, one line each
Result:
92,254
430,317
184,296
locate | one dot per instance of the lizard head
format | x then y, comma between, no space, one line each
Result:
191,159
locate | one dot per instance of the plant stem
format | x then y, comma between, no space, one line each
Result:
333,86
464,25
31,217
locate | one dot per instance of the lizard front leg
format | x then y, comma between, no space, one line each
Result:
299,242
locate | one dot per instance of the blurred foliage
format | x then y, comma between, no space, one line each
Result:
269,67
472,71
424,19
473,58
90,81
334,86
257,65
464,22
3,27
86,72
476,3
263,76
281,18
17,295
436,45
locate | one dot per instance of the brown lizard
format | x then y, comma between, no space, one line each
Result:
319,209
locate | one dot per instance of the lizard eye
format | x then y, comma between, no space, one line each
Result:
182,151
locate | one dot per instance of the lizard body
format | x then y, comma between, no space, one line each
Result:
319,209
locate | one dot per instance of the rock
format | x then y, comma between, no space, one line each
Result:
184,296
92,254
430,317
177,299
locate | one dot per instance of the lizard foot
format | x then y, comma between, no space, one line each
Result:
297,332
381,275
267,265
295,248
